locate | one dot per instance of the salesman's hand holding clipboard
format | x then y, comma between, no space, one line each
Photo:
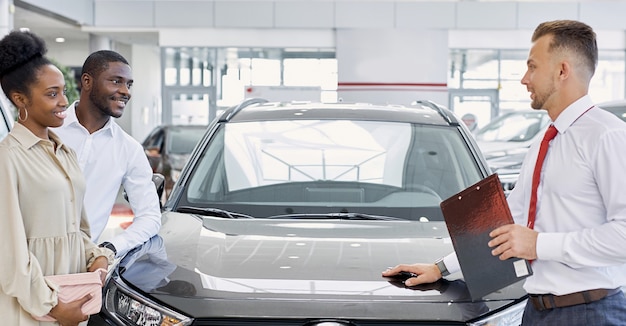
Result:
470,216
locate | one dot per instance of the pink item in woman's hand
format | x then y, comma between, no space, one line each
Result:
73,287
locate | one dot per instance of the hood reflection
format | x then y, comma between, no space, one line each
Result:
148,268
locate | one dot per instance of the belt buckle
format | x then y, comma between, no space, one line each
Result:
538,302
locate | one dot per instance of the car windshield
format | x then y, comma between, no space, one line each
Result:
272,168
184,139
514,127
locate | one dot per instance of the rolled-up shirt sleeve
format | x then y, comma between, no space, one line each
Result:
144,203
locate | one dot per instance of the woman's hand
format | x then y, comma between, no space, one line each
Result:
100,263
70,313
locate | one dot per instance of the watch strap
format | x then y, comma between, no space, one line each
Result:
108,245
442,267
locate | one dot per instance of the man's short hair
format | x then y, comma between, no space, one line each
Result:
99,61
570,35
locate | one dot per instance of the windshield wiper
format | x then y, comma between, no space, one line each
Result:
210,211
338,216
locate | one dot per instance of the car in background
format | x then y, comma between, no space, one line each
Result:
504,156
168,147
511,133
617,107
505,140
287,213
6,120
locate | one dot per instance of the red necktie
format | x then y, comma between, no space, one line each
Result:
543,149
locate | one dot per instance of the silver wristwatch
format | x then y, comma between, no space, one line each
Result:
108,245
442,267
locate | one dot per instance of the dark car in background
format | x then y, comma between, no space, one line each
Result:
168,148
287,213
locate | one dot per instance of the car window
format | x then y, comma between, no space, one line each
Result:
515,127
301,164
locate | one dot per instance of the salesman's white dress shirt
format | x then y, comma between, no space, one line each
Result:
581,204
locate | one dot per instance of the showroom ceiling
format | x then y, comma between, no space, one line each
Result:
50,27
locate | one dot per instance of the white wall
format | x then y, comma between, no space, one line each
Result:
71,54
146,92
144,109
354,13
392,66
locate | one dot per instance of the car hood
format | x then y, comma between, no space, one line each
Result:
209,267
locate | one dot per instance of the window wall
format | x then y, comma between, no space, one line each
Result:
200,82
503,70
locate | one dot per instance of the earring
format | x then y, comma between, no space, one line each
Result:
19,115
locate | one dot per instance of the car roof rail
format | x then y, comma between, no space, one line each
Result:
435,107
245,103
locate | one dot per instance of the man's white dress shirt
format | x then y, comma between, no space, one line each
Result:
581,204
109,158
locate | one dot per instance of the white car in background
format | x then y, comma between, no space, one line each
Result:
617,107
511,133
505,140
6,118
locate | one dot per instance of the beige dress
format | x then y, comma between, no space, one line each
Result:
44,230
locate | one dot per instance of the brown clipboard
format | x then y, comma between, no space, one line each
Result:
470,216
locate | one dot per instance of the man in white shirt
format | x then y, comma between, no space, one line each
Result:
108,156
577,238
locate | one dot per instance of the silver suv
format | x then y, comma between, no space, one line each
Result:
287,213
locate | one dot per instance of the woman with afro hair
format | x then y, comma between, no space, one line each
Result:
44,228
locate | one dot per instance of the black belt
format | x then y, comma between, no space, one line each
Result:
550,301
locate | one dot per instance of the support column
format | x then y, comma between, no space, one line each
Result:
393,66
98,42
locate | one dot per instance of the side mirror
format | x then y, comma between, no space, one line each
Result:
159,182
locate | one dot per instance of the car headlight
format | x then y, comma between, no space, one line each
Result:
127,307
511,316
